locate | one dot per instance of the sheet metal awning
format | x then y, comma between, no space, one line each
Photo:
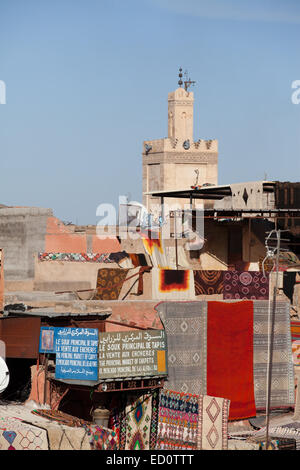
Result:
51,313
214,192
209,192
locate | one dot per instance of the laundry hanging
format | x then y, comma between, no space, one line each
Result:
154,247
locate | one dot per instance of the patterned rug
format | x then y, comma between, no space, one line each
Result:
268,265
230,356
172,284
208,282
287,260
212,423
16,435
293,430
296,352
295,330
114,422
138,423
91,257
287,436
61,417
251,285
185,324
177,421
102,438
154,419
109,283
282,370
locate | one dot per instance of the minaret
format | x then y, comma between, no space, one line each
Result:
176,162
181,112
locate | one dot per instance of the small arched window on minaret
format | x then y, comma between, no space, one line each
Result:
170,125
184,123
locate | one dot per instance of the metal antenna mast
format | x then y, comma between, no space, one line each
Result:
188,82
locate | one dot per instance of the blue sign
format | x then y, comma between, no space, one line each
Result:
76,351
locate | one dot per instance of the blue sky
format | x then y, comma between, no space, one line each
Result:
87,81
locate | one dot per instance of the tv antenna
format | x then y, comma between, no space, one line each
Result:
188,82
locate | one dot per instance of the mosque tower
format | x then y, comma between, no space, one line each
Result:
178,161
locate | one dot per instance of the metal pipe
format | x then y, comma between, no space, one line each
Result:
278,234
175,236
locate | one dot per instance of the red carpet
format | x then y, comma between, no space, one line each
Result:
230,356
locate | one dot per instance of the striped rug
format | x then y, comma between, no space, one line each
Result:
295,330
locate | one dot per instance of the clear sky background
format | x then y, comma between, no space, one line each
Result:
87,81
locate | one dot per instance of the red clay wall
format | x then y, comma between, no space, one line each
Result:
61,239
135,312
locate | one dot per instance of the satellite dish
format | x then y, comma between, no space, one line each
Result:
4,375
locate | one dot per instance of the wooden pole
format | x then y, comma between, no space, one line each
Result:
46,377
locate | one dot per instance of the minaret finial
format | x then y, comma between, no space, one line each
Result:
188,82
180,82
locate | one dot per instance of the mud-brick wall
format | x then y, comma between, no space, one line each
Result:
22,233
26,231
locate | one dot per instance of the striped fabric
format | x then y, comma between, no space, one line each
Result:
282,370
295,330
155,248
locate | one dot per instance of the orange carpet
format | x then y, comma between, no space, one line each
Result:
230,356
